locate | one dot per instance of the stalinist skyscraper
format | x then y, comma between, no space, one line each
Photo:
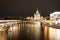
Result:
37,16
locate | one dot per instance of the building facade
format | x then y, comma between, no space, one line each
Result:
56,17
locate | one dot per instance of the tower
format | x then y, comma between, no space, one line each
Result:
37,15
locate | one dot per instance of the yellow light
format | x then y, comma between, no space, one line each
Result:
54,34
14,28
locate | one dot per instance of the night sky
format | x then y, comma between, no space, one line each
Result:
24,8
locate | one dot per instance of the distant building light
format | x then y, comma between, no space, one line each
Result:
28,17
1,25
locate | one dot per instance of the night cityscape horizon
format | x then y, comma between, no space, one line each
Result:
35,27
27,15
30,20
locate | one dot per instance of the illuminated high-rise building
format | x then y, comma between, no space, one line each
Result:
37,15
56,17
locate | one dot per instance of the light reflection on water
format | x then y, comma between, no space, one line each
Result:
54,34
35,32
27,32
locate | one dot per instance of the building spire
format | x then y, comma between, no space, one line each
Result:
37,15
37,12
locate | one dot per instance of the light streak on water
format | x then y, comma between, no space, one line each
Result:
54,34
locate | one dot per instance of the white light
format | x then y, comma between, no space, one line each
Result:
59,20
56,22
14,28
1,25
54,34
38,23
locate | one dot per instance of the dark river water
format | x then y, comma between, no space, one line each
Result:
33,32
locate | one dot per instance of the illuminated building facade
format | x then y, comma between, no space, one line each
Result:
54,29
37,16
56,17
